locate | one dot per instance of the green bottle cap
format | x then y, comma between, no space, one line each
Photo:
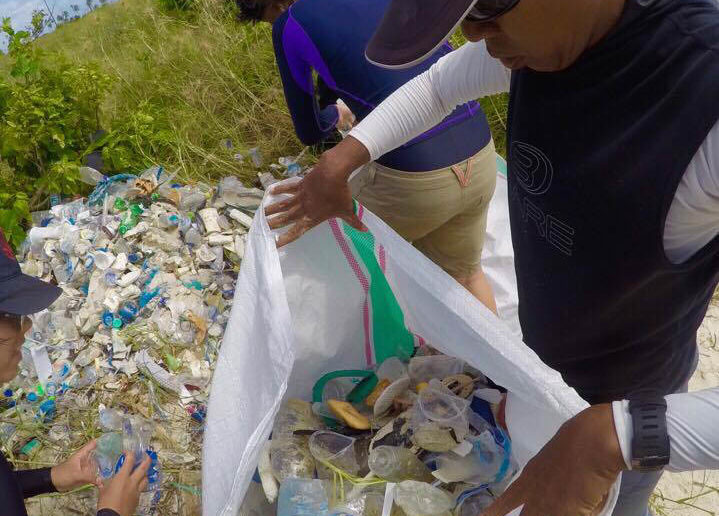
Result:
40,390
155,196
120,204
136,209
117,322
123,229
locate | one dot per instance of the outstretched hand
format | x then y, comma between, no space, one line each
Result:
321,195
572,474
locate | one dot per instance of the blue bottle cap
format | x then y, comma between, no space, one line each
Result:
31,397
8,393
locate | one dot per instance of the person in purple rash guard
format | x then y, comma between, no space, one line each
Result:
20,296
435,190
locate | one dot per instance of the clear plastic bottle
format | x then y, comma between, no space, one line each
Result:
398,464
422,499
302,497
107,453
90,175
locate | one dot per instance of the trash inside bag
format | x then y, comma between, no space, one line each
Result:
316,321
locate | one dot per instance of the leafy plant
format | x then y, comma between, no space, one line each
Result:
49,108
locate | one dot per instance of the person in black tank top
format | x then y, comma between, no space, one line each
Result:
610,101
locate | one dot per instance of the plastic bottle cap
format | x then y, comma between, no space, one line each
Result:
8,393
155,196
123,229
31,397
117,323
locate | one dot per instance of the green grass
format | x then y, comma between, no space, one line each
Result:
205,78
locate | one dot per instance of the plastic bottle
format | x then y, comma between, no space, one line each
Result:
46,411
148,296
90,175
9,398
398,464
120,204
103,259
110,278
422,499
108,453
128,312
302,497
193,237
129,221
168,221
256,156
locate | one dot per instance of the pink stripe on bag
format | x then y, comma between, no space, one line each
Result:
355,266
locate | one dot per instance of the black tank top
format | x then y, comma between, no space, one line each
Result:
596,153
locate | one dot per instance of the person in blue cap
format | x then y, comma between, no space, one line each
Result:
20,296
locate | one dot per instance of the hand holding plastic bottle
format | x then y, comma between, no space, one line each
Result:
76,471
122,492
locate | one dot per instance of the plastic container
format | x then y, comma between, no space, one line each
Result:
424,369
488,463
302,497
437,403
422,499
337,449
397,464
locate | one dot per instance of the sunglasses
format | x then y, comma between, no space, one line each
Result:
488,10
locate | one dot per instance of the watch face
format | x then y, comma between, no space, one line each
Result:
650,463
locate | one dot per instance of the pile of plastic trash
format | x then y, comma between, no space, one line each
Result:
417,438
147,267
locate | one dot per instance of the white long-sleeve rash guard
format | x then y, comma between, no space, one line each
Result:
693,220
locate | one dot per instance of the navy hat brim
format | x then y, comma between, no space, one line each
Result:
25,295
412,30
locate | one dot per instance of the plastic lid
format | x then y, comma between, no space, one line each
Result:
8,393
31,397
117,322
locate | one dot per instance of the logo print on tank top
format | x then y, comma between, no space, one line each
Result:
532,168
533,171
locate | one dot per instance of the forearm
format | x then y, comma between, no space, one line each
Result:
463,75
692,423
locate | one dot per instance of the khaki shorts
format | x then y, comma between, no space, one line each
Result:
442,212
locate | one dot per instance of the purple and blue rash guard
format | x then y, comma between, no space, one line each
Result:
329,37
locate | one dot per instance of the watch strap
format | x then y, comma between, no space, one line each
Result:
650,443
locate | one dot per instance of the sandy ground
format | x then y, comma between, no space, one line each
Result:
696,494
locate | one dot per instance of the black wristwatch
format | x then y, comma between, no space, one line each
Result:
650,443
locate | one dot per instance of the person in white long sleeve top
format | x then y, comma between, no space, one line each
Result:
614,207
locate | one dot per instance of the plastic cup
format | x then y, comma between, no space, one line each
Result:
336,449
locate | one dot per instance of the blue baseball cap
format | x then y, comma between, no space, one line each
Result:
21,294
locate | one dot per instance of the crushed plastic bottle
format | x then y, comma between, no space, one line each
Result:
302,497
422,499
